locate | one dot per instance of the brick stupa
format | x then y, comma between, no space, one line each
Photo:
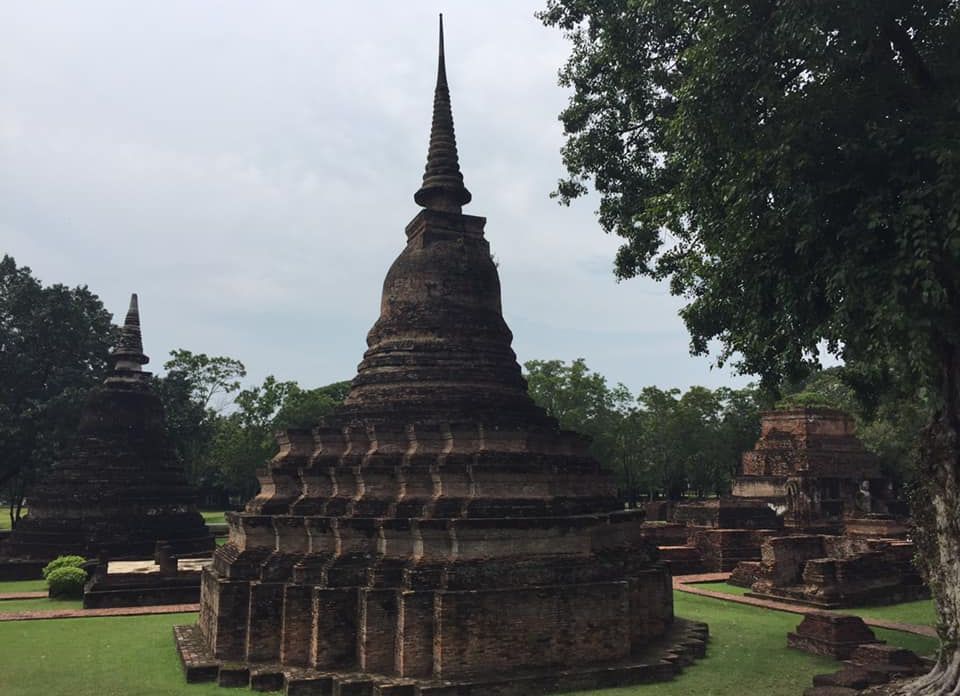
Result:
118,489
439,534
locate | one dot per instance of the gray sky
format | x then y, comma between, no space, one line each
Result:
249,167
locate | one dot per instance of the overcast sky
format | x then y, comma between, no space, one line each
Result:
248,168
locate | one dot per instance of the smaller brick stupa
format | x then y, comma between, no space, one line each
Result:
118,489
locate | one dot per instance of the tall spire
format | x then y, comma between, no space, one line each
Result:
128,355
442,187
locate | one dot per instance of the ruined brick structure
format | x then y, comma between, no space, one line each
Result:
118,488
439,533
810,464
808,473
834,571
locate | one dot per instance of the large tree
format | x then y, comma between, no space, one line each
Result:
54,346
793,168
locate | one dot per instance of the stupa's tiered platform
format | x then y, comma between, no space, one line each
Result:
439,533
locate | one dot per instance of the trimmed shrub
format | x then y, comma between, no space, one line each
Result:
63,562
66,582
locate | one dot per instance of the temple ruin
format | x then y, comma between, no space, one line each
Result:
439,533
118,489
808,474
810,465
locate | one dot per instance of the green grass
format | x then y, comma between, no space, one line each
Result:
723,587
96,657
921,612
23,586
214,516
135,654
5,516
748,653
922,645
41,604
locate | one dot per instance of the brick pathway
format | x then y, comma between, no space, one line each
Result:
686,583
86,613
21,595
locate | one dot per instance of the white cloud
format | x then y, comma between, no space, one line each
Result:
248,168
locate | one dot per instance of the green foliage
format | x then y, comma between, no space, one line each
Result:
207,377
889,416
62,562
189,425
66,582
803,399
792,168
54,345
223,432
662,442
303,408
694,441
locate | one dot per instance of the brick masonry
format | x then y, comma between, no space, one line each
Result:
439,530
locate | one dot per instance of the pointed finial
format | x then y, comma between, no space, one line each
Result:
128,355
442,187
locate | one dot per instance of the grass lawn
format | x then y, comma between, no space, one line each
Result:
723,587
41,604
213,516
5,516
135,654
748,651
921,612
23,586
96,657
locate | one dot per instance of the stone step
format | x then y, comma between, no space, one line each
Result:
851,677
198,666
881,654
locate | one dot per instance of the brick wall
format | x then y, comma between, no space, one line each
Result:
487,631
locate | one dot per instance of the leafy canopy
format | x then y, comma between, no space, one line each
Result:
792,167
54,345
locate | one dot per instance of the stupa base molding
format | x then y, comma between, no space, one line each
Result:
660,660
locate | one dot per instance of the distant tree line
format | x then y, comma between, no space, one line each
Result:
665,443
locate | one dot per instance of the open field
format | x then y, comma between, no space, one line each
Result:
123,655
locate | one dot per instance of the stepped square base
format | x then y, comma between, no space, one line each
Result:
141,589
575,591
831,635
660,660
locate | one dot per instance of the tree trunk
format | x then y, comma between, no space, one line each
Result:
937,513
